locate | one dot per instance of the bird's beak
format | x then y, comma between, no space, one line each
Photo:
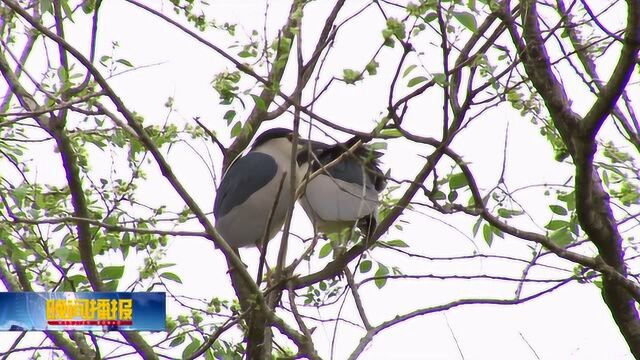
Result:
303,142
303,150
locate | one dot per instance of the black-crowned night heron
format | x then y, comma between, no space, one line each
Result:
345,193
248,191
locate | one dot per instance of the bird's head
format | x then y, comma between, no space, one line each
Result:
278,140
270,135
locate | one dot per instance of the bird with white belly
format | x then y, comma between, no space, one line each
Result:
255,193
345,193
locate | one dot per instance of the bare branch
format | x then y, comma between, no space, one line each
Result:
364,341
614,88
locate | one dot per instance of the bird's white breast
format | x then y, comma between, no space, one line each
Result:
249,219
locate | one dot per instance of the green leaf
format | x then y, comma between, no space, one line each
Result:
487,233
466,19
562,237
408,70
111,285
229,115
440,79
323,285
78,279
61,253
378,146
67,10
430,17
557,209
508,213
325,250
397,243
208,355
165,265
416,80
19,194
112,272
372,67
387,35
88,6
396,28
557,224
393,133
476,226
439,195
504,213
177,340
236,129
171,276
259,102
46,6
457,181
497,232
74,256
382,271
125,62
191,348
569,199
365,266
351,76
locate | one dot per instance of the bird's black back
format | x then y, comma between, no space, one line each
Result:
245,176
350,167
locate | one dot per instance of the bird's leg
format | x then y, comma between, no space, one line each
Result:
367,226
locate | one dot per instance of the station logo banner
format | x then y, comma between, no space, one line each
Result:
88,311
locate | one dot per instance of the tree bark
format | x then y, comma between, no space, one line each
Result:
578,134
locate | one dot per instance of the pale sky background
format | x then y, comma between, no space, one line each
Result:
570,323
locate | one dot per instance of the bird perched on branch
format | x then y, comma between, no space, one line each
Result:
255,193
346,190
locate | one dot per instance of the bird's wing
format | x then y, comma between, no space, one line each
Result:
247,175
361,167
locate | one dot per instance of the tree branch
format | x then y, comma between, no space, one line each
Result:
614,88
364,341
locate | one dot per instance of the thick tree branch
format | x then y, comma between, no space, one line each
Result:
26,51
538,67
590,68
614,88
592,201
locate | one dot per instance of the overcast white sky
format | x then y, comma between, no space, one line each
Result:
571,323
